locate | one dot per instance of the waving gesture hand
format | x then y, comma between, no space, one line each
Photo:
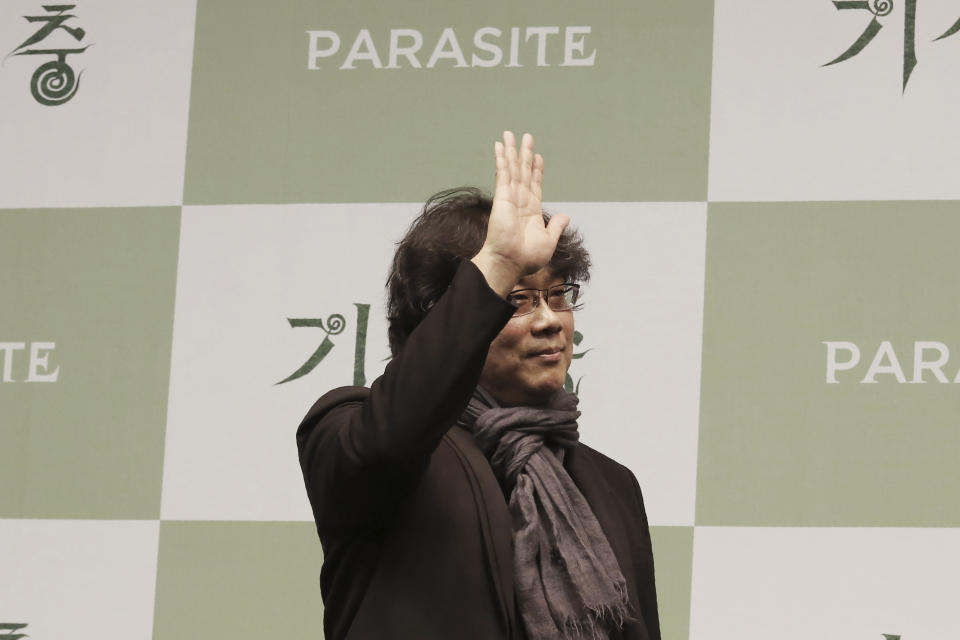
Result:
518,243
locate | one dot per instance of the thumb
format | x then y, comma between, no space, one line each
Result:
556,226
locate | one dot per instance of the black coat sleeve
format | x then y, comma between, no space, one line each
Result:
363,451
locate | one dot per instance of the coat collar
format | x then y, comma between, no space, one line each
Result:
495,521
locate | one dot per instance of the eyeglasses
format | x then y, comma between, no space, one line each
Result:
560,297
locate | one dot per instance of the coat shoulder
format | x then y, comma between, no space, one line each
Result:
614,472
329,403
335,398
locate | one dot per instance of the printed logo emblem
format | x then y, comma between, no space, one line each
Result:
334,326
8,630
54,82
880,9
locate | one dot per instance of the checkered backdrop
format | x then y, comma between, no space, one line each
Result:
200,199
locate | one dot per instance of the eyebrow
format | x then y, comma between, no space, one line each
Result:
530,287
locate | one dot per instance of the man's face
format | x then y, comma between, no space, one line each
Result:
528,360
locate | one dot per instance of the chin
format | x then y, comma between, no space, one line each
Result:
541,392
525,390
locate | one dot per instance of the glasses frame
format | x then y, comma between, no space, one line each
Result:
545,294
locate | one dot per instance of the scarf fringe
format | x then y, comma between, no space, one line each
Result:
598,623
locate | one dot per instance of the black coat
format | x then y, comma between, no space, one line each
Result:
415,528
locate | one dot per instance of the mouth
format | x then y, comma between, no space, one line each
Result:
548,354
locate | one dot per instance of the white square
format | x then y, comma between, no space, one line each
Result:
121,139
834,584
79,578
785,127
643,323
244,271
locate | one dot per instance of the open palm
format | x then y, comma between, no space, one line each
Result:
516,232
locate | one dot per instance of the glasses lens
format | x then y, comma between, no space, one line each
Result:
562,297
522,300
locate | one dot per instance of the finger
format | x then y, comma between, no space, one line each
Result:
511,154
500,160
536,181
556,226
526,158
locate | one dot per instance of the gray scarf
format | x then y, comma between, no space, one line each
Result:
568,582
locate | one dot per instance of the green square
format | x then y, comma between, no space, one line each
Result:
98,284
252,579
238,580
779,444
673,562
264,128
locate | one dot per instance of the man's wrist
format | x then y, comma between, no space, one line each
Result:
501,274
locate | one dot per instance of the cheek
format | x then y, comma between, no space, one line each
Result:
568,334
503,353
507,341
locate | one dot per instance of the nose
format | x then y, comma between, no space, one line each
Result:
545,320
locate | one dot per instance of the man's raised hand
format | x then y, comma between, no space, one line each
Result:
517,243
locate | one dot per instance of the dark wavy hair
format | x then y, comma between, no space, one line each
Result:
451,227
